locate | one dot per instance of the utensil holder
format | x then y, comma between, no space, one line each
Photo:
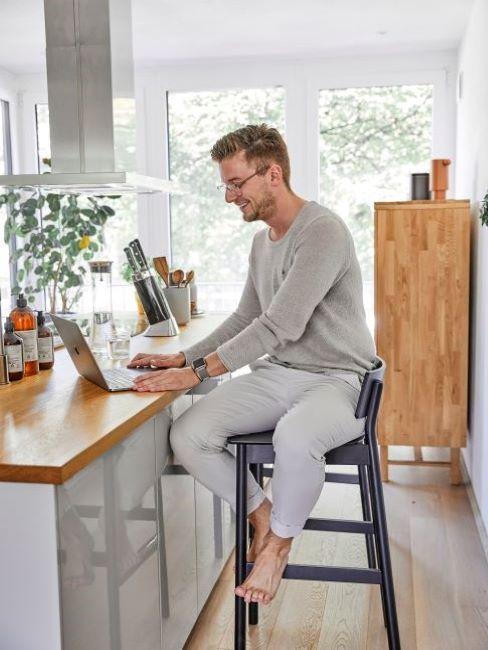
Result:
178,299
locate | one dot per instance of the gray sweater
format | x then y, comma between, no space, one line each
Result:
302,303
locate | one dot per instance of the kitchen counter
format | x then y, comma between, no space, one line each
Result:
106,541
54,424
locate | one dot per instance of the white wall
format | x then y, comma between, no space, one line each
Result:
472,183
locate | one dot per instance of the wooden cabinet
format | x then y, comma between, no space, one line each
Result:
422,325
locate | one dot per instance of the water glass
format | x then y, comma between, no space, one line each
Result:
118,344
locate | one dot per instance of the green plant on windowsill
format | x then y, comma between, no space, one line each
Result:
54,236
484,210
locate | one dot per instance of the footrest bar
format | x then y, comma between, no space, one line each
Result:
329,573
340,525
337,477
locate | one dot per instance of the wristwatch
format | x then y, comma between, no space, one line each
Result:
200,368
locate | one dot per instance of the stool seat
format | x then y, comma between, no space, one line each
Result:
266,438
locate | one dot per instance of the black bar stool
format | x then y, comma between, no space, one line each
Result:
256,449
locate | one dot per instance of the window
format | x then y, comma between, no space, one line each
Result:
5,168
207,235
371,140
120,228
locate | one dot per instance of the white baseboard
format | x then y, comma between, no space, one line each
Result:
474,507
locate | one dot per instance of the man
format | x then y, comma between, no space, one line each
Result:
302,308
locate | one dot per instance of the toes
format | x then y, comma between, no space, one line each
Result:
240,591
248,596
256,596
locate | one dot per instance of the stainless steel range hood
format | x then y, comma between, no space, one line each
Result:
89,70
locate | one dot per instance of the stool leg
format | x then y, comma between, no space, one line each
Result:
376,534
383,548
241,546
257,472
365,503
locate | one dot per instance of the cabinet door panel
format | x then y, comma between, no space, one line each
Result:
108,550
178,564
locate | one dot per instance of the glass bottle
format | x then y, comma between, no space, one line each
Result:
14,349
45,343
25,325
102,319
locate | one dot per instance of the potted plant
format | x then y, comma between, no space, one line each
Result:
55,235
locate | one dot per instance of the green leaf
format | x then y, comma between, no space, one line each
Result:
20,275
16,255
55,257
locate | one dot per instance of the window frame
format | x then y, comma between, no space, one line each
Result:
7,147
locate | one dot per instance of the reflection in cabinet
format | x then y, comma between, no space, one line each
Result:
178,544
108,559
214,537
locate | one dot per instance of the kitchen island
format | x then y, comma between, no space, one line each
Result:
105,542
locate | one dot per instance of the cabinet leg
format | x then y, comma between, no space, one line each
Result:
456,477
417,454
384,462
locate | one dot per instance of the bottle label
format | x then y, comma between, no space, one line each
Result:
45,347
30,343
14,358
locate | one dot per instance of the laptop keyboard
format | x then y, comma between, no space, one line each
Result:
118,378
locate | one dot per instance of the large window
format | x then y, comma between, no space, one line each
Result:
5,168
120,228
371,140
207,235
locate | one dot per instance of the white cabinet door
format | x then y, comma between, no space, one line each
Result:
178,553
108,550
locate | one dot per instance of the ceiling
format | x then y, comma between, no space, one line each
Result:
174,30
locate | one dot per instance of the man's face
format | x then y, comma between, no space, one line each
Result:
254,199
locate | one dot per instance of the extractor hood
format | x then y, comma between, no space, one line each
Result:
90,70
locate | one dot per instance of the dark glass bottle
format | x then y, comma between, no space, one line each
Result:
14,349
25,326
45,343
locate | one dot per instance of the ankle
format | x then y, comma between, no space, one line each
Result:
280,546
259,518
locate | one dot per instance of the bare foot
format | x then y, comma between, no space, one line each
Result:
259,519
262,583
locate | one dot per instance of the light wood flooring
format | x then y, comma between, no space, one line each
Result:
440,573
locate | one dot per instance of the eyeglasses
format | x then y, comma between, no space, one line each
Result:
235,188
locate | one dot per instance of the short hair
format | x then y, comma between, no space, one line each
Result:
259,142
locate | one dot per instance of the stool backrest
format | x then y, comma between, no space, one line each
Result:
375,375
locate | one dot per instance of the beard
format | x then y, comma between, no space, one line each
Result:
263,210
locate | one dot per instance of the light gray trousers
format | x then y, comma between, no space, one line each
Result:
311,414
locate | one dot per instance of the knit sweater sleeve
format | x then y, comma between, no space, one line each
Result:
246,311
321,255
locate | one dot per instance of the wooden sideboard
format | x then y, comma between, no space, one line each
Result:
422,326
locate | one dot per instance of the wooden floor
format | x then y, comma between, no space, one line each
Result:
440,573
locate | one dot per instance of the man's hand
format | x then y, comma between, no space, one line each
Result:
171,379
145,360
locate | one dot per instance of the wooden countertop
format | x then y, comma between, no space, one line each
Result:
55,423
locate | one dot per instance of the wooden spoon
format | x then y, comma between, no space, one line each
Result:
178,276
161,266
189,277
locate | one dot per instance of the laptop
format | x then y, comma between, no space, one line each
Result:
112,379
